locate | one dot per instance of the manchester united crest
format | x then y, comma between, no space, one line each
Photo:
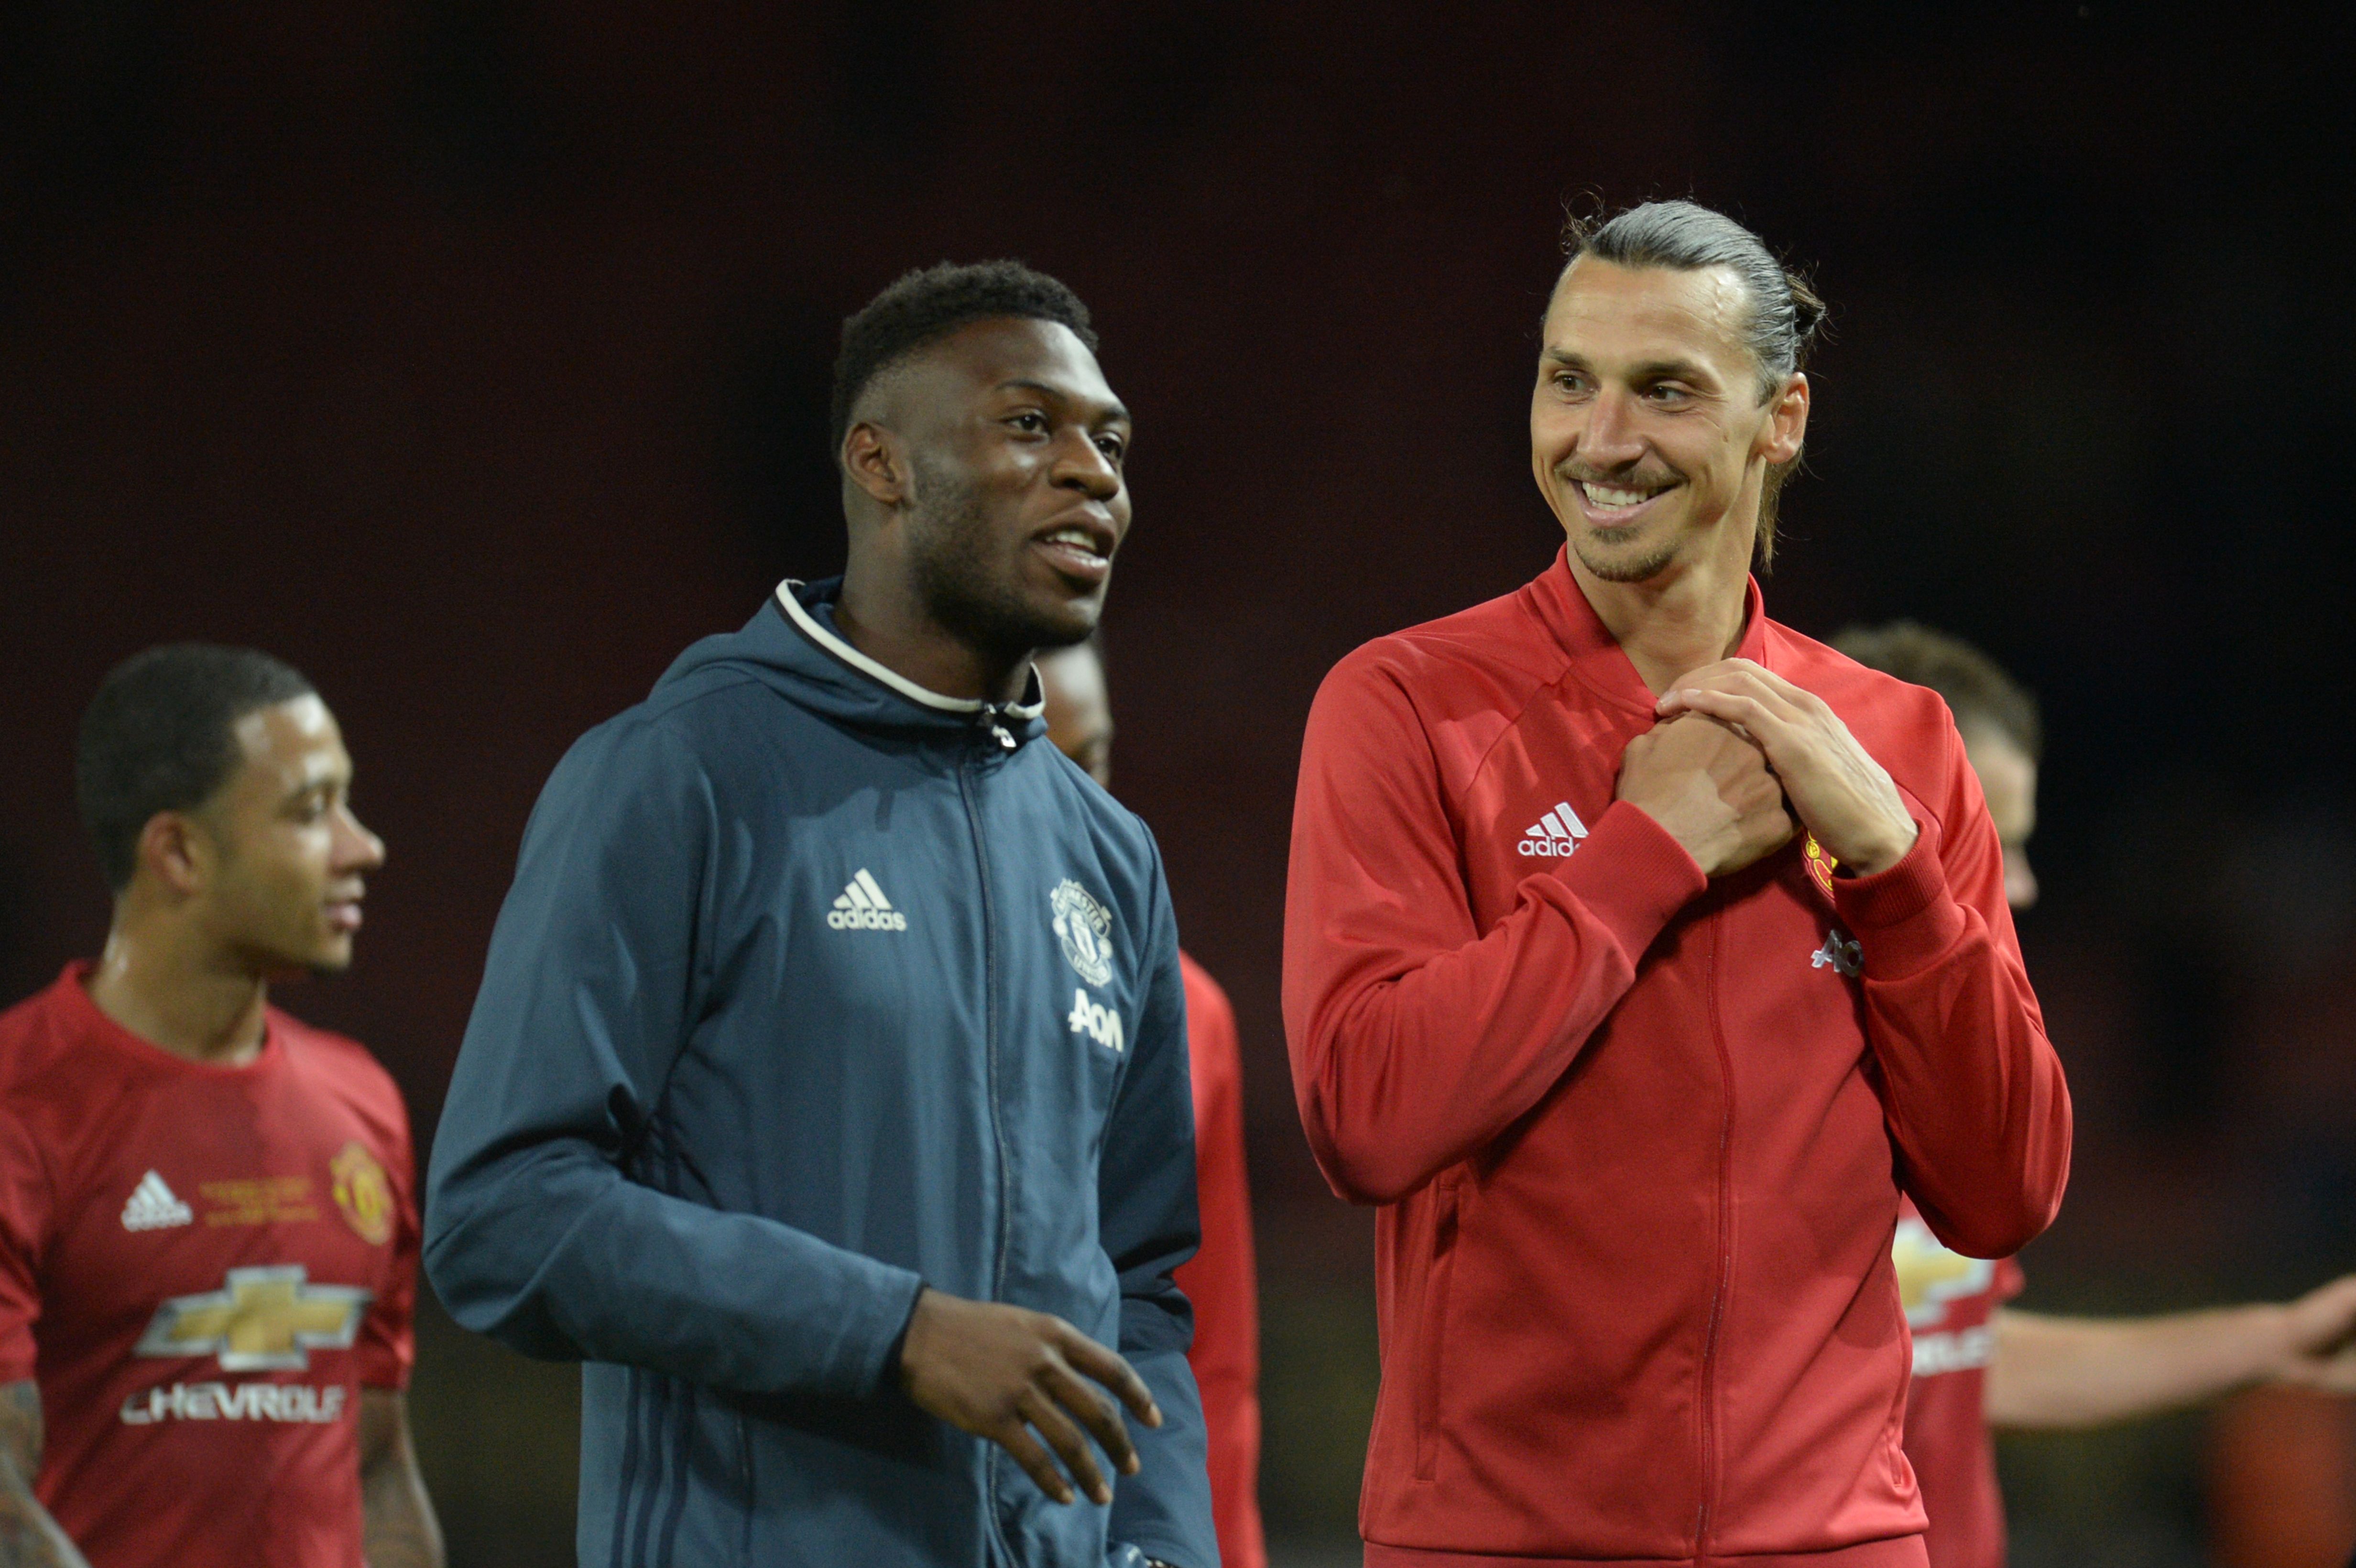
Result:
1085,928
363,1193
1821,865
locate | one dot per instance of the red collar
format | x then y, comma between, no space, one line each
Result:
1596,658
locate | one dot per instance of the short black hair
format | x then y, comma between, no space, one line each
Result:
1976,688
161,735
928,305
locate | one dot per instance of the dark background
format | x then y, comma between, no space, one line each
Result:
471,355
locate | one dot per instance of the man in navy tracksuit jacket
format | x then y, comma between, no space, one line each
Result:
825,1008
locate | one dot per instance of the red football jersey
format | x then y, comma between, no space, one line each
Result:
202,1266
1221,1278
1949,1300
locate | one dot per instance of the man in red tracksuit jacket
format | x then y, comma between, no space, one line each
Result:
1639,953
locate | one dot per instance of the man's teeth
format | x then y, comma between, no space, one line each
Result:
1078,538
1604,495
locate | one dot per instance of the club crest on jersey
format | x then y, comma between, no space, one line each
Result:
1085,928
262,1319
363,1193
1821,865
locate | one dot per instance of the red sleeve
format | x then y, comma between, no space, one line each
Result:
387,1343
24,1236
1970,1087
1220,1279
1415,1037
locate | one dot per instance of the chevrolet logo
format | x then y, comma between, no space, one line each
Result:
267,1320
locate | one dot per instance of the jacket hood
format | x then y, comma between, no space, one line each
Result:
792,646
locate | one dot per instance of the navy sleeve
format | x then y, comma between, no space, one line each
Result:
536,1233
1146,1199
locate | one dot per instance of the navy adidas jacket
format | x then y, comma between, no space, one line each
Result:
813,987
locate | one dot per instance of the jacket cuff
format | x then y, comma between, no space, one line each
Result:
885,1328
1631,875
1904,918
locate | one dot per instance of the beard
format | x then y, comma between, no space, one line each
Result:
967,585
1639,565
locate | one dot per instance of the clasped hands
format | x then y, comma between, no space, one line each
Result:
1742,758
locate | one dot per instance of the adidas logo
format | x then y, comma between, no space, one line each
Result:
863,906
152,1207
1556,833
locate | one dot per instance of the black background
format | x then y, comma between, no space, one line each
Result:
471,355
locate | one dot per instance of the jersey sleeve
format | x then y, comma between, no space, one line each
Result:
1972,1090
387,1346
25,1211
1415,1037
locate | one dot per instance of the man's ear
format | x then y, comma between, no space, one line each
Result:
877,463
175,851
1786,428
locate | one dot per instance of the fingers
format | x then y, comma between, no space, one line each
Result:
1016,1439
1115,1373
1747,716
1070,1446
1097,1413
1742,678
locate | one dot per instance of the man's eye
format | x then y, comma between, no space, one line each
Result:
1029,423
1111,446
1666,394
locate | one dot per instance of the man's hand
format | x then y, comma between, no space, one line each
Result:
1844,796
2321,1326
1709,790
1004,1372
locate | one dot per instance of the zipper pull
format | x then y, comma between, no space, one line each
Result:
989,715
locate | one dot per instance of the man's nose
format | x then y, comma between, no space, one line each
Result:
1083,465
1610,438
356,849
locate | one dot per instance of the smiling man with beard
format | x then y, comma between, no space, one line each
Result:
827,1091
1640,954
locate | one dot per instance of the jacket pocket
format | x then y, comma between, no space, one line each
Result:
1431,1327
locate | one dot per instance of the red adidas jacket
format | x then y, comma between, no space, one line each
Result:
1638,1137
1221,1279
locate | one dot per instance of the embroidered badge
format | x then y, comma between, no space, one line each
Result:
1820,865
363,1193
1085,928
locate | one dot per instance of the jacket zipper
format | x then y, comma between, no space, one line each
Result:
1724,1282
966,787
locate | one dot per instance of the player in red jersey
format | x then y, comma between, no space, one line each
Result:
1978,1362
207,1237
1639,953
1219,1280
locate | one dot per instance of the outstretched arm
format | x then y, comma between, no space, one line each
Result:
398,1530
2087,1371
29,1537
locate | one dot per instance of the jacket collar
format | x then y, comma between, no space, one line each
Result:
789,591
1596,657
